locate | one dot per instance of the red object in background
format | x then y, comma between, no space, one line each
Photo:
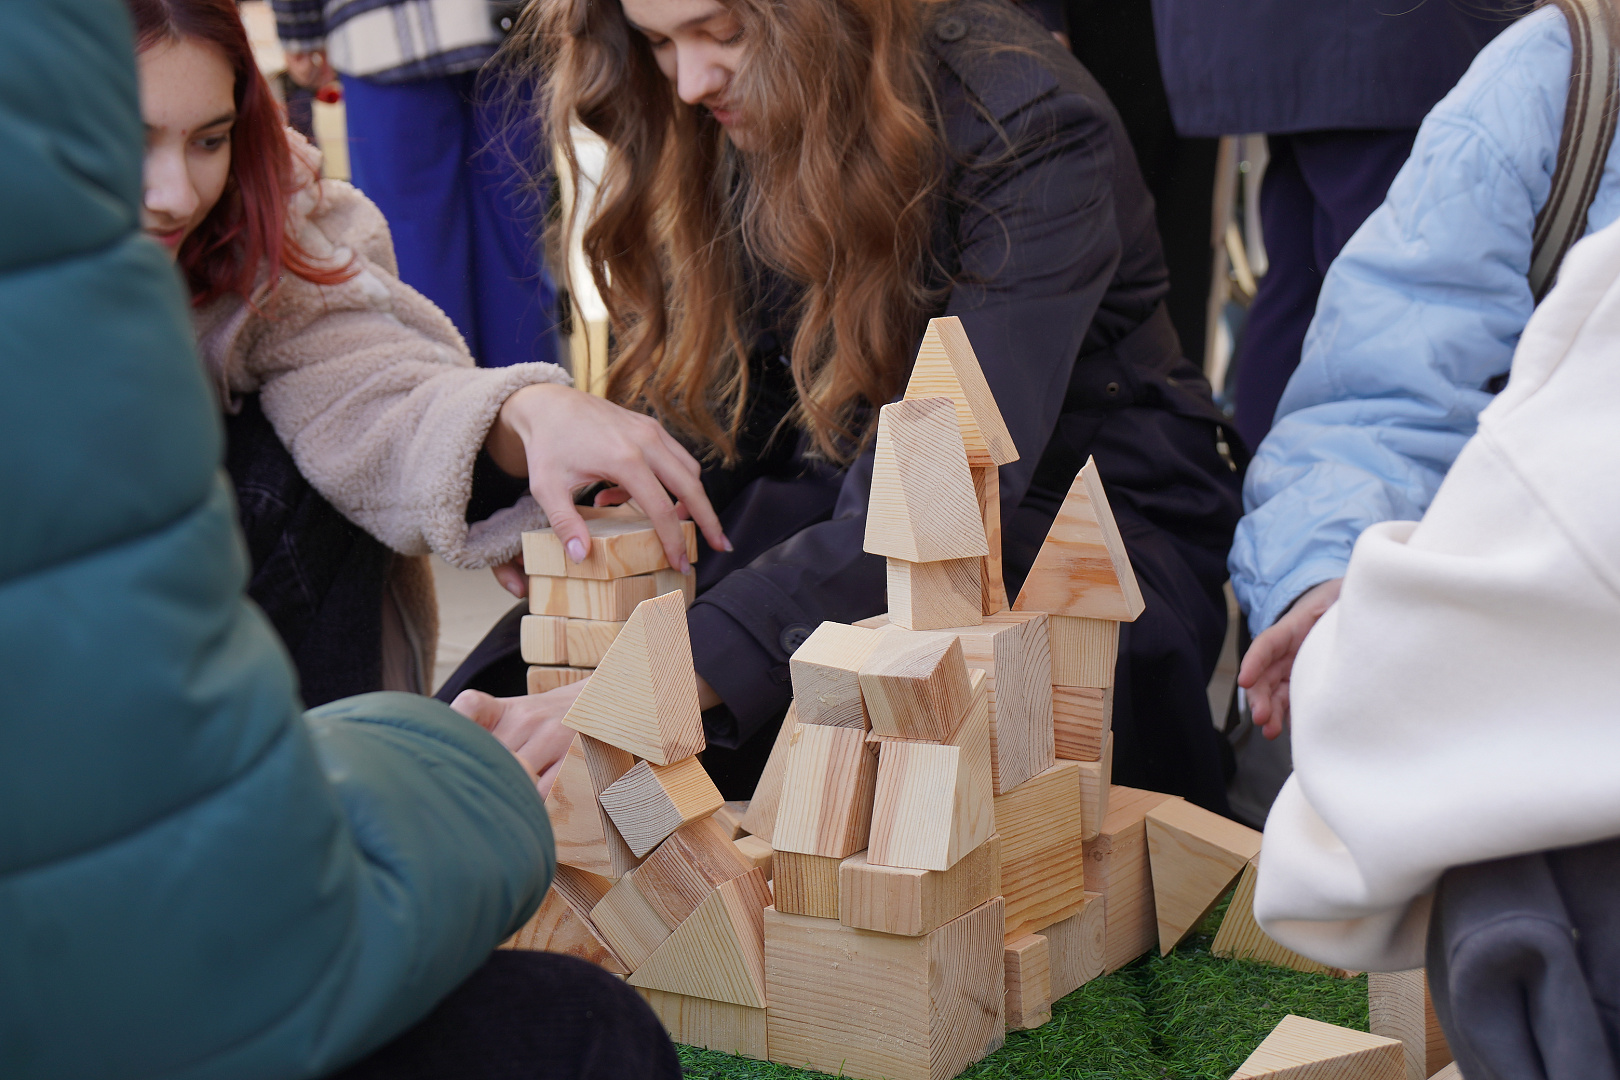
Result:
330,94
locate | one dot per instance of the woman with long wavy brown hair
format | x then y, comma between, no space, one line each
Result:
791,190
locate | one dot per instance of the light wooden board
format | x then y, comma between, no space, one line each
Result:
1302,1049
922,506
915,684
713,1025
1399,1006
1026,963
1082,568
1195,856
688,866
718,952
1096,777
651,801
1117,867
587,640
882,1007
543,639
1081,718
902,900
933,595
586,598
622,545
643,697
993,586
826,803
667,581
584,835
544,679
1077,946
628,923
1043,866
1240,936
758,851
760,820
806,884
826,675
947,367
1085,652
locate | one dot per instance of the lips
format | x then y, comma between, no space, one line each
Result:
169,239
723,117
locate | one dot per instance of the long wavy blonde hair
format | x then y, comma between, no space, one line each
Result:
837,197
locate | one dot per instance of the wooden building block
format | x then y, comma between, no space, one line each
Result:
1400,1008
1450,1072
826,803
1301,1049
651,801
1077,946
1194,856
947,367
585,836
544,679
758,851
1028,974
588,598
1084,651
760,820
1081,718
902,900
586,640
1043,865
628,922
934,595
826,675
1083,568
1096,777
993,587
806,884
542,639
643,697
922,506
731,814
687,867
1117,867
563,925
623,544
1240,936
668,581
713,1025
718,952
915,685
882,1007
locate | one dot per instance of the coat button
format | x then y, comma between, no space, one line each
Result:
1112,388
950,29
794,636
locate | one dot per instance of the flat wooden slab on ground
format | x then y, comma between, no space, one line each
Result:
717,953
1082,568
713,1025
623,544
1302,1049
922,507
948,367
1077,946
1117,866
1195,856
1028,972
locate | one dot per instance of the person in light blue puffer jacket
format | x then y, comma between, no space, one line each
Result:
1421,310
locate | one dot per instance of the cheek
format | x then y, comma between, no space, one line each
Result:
209,178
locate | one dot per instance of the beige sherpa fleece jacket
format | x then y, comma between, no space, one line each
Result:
373,392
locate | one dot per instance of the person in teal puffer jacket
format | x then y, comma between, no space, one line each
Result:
196,878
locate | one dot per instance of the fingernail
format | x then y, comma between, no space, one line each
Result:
725,544
686,565
576,550
513,588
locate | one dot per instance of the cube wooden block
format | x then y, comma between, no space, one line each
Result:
587,598
1043,865
934,595
651,801
760,820
1117,867
623,544
883,1007
587,640
826,675
713,1025
915,685
1085,652
1027,969
687,867
1195,855
628,922
1077,946
922,506
1301,1049
543,639
544,679
1240,936
1400,1007
1081,717
806,884
825,807
902,900
1096,777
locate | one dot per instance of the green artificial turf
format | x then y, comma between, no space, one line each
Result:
1186,1016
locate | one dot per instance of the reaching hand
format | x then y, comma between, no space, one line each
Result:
1268,666
531,727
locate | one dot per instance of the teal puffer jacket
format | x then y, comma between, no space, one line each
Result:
196,878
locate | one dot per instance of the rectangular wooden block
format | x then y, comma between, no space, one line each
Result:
826,675
1400,1007
731,814
1095,779
651,801
993,588
1081,717
586,598
586,639
915,685
628,922
758,851
668,581
825,807
1084,651
760,820
687,867
713,1025
882,1007
542,639
909,902
1117,867
934,595
1027,967
806,884
1077,946
544,679
1043,865
623,544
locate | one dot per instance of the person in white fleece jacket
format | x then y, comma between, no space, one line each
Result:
1459,707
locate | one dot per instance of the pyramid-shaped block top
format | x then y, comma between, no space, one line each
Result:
947,367
643,697
1302,1049
1082,569
923,507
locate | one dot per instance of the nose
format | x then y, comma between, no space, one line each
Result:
699,74
168,189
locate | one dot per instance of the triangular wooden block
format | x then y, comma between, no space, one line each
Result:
923,507
1301,1049
1241,938
584,834
677,877
1082,569
1194,856
643,697
947,367
562,924
760,820
718,953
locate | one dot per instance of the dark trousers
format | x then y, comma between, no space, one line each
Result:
435,157
1319,188
530,1016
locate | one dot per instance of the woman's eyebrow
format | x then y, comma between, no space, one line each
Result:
687,25
222,118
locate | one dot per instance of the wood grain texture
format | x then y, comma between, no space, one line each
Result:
1301,1049
1085,652
882,1007
922,506
623,544
587,640
760,820
826,803
688,866
758,851
806,884
1194,856
1450,1072
731,815
587,598
826,675
910,902
543,639
717,953
543,679
628,922
1043,866
1400,1008
993,586
932,595
947,367
1096,777
1082,568
713,1025
668,581
643,697
915,684
1081,719
1077,946
584,835
1240,936
560,927
1026,965
651,801
1117,867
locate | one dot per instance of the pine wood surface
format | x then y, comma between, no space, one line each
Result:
922,506
714,1025
651,801
584,835
695,859
826,675
1194,856
758,851
544,679
623,544
883,1007
902,900
825,806
915,684
1085,652
1043,864
1302,1049
668,581
717,953
586,598
1081,719
932,595
587,640
1240,936
947,367
1096,778
1117,867
1082,568
643,697
1400,1007
1026,964
1450,1072
628,923
760,820
993,585
559,927
806,884
543,639
731,815
1077,946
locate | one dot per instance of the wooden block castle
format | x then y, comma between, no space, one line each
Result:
935,852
